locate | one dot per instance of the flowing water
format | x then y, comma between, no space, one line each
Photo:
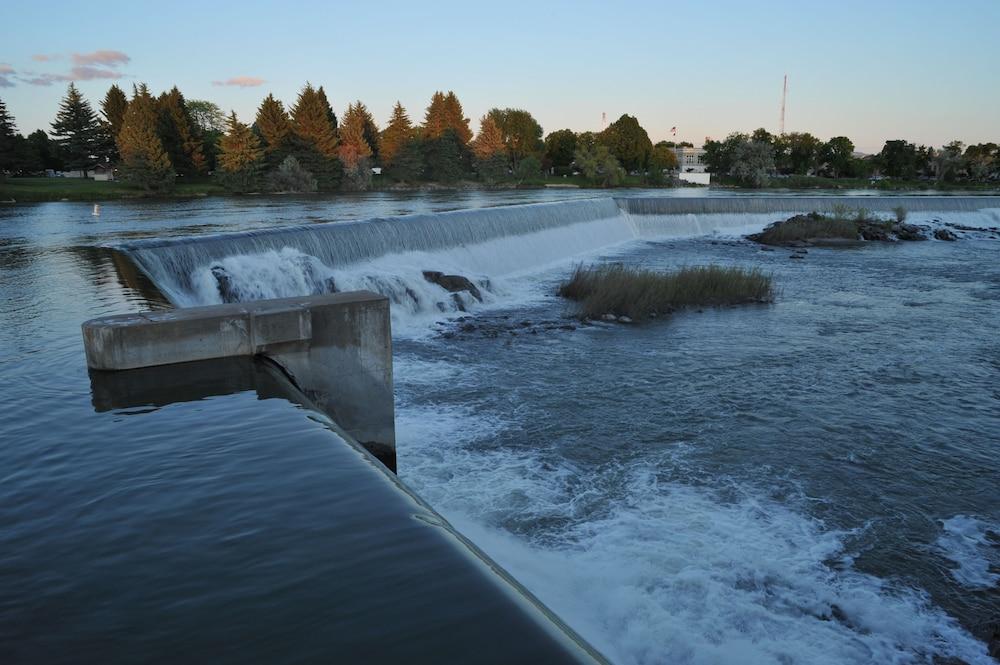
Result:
813,481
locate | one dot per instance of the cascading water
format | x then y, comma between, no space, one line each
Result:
486,245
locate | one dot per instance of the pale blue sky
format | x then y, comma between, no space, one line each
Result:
871,70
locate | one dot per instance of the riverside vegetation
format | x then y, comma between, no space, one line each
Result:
168,145
616,292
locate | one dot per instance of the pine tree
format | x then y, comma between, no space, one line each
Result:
76,130
456,118
8,137
435,118
311,122
490,139
143,159
113,109
240,156
396,134
353,147
331,116
179,134
274,127
371,132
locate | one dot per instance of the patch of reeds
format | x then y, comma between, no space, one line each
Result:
803,228
639,293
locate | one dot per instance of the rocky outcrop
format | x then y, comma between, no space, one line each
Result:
945,234
904,231
453,283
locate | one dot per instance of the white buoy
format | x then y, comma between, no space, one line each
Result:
97,210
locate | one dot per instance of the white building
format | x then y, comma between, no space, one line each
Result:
689,160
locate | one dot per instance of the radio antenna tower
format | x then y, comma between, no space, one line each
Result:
784,96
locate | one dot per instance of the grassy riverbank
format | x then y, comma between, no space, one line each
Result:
85,189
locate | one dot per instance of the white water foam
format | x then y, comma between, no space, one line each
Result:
658,571
965,541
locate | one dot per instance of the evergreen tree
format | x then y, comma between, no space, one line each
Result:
311,122
408,163
396,134
314,138
371,132
274,127
354,152
456,119
240,157
489,141
8,135
445,157
330,115
113,108
143,159
76,130
435,118
179,134
46,151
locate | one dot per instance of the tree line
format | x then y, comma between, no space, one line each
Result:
154,140
753,159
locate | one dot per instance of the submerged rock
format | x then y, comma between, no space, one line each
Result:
453,283
224,282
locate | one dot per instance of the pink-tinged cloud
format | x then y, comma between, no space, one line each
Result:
5,76
104,57
85,73
241,81
46,57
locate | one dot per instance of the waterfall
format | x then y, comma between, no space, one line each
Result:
390,255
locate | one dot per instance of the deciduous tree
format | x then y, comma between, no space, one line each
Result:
559,148
522,135
628,142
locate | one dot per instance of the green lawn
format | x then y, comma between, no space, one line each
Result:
85,189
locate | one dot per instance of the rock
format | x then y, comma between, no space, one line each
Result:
945,234
906,231
624,319
457,301
765,248
875,231
797,256
453,283
609,317
224,283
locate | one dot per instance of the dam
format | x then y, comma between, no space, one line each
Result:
275,283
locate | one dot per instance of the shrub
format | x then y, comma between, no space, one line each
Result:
290,176
900,213
639,293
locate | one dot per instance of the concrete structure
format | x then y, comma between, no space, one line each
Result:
336,348
696,178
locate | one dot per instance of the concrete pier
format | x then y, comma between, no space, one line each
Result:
336,348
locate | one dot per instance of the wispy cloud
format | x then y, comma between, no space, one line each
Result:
87,73
6,71
46,57
103,57
241,81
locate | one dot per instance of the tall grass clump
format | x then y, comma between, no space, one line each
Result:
900,213
639,293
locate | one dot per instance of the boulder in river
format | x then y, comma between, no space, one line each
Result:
945,234
453,283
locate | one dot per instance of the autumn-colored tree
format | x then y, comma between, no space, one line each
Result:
143,159
76,130
353,147
312,123
240,157
274,128
179,134
396,134
445,113
489,141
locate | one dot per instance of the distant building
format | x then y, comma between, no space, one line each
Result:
103,172
689,160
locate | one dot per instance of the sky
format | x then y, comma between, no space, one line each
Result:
925,71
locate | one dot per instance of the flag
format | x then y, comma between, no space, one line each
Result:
673,130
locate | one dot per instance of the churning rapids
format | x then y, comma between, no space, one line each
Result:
815,481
